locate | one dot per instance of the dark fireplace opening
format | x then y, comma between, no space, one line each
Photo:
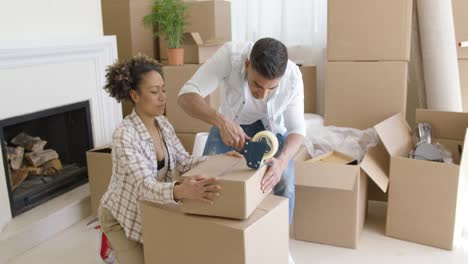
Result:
44,154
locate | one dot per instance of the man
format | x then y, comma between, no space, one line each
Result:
260,89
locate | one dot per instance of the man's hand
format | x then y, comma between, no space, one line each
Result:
273,174
232,134
197,188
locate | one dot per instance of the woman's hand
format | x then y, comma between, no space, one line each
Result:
197,188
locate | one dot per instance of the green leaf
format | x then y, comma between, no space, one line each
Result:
170,18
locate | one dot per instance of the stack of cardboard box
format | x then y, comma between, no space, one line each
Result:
461,34
124,19
243,225
209,27
366,81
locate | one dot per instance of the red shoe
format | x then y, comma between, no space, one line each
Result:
106,251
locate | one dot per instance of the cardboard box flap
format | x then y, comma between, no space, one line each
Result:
445,125
196,38
224,167
395,134
324,174
376,164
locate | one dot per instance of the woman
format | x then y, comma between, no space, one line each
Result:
145,154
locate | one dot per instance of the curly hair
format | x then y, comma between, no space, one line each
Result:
127,75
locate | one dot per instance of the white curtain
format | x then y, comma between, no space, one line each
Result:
300,24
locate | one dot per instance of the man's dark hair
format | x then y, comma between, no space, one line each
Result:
269,57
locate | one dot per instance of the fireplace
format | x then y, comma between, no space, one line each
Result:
68,135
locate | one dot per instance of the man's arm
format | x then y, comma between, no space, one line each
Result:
231,133
194,105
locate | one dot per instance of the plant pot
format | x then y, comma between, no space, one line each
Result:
175,56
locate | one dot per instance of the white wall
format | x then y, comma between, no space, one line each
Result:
31,21
41,19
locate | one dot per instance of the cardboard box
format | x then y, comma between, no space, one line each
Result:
176,77
212,19
99,161
240,188
369,30
123,18
188,140
196,51
463,70
460,19
330,205
173,237
427,200
362,94
309,77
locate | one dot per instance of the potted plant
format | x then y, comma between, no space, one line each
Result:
169,18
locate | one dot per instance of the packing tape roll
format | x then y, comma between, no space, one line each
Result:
199,144
272,142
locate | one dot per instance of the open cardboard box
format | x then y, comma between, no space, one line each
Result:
212,19
196,51
240,188
173,237
330,205
427,200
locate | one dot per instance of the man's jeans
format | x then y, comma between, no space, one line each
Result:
215,145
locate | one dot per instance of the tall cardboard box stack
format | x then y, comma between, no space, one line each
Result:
124,19
460,18
209,27
243,225
366,82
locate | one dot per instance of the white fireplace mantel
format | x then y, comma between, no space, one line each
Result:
39,75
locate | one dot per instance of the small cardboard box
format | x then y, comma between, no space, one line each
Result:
99,161
188,140
196,51
330,205
369,30
463,70
362,94
123,18
309,77
212,19
460,21
173,237
427,200
175,77
240,188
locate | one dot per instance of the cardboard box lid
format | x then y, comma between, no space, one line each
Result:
270,203
226,168
343,177
445,125
196,38
395,134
